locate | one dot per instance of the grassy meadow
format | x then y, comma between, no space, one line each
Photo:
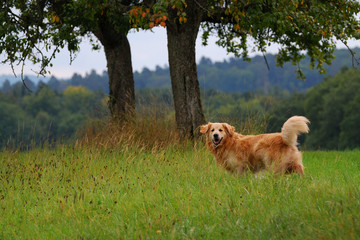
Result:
173,193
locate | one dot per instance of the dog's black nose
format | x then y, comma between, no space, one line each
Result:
216,136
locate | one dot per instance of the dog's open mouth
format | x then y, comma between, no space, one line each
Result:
217,141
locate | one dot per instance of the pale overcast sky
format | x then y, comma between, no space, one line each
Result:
148,49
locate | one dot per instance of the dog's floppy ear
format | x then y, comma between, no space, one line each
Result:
205,128
229,129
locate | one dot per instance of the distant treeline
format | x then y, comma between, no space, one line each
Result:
233,75
245,94
49,116
46,116
236,75
333,107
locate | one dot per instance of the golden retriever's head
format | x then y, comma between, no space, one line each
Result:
217,132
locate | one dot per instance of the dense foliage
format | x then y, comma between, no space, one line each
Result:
233,75
45,116
301,28
56,111
236,75
35,30
332,107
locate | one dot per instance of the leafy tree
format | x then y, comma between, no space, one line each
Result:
29,84
182,30
44,99
330,106
237,75
55,84
6,86
18,91
69,124
160,78
300,27
182,20
78,99
36,30
46,116
43,128
11,120
284,108
350,135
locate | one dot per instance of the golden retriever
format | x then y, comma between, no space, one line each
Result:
276,152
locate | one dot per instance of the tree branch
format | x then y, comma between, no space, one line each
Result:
351,52
266,61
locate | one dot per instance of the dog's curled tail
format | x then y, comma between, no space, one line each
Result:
293,127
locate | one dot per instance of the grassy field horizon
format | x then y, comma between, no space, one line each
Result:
172,193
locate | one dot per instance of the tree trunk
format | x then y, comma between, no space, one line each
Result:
121,78
185,85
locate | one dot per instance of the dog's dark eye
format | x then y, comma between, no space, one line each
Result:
212,130
220,130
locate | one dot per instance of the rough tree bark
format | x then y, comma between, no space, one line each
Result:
185,85
121,78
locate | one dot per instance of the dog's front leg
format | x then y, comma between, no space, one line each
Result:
241,169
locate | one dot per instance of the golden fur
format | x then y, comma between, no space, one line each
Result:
276,152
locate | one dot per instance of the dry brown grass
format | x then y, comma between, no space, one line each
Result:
142,132
251,124
151,130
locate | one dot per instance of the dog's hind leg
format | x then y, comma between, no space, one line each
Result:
296,165
298,168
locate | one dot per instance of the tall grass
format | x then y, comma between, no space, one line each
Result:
81,193
139,179
142,132
152,130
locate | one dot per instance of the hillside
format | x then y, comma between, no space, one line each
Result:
233,75
236,75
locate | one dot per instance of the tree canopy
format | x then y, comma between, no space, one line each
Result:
36,30
300,27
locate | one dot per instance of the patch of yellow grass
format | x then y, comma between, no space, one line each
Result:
142,132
